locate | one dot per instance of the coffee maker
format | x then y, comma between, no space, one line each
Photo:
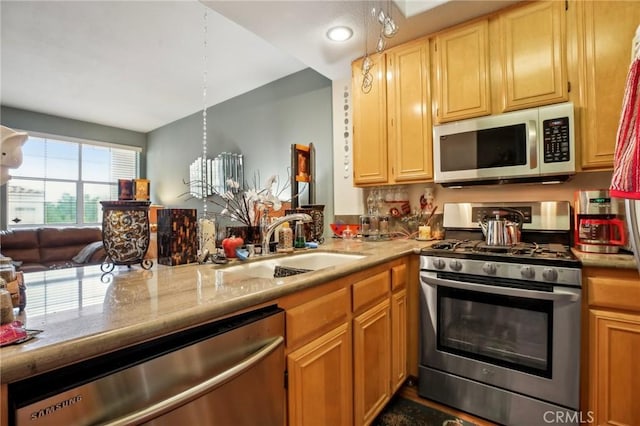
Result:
599,222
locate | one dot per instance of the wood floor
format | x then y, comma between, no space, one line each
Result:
410,391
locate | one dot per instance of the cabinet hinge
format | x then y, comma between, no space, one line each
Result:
566,4
568,87
286,379
435,46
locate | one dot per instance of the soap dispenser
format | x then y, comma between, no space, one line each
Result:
285,239
301,241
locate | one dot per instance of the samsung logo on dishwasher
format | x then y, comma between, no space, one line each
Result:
55,407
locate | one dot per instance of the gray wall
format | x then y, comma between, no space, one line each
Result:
51,124
36,122
262,125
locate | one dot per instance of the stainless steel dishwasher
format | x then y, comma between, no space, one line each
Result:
228,372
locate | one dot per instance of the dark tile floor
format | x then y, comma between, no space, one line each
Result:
405,412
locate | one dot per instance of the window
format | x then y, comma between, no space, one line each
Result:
62,181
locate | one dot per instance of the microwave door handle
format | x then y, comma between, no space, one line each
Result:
533,144
558,295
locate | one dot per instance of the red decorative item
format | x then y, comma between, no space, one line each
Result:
229,245
338,228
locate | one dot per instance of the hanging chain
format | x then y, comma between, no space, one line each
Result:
367,63
204,173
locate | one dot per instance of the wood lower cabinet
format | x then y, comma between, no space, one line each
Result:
613,343
398,339
399,325
320,385
615,369
346,344
371,362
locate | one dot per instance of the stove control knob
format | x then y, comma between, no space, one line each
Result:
455,265
438,263
489,268
550,274
527,272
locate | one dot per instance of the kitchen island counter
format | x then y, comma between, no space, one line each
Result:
84,313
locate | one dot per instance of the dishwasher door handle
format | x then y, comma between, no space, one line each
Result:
198,390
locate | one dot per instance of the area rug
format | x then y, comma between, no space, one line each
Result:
404,412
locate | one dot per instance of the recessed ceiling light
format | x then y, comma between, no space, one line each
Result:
339,33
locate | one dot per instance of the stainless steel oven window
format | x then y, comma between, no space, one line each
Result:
507,331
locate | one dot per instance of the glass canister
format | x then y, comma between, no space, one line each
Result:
6,305
7,270
369,226
383,222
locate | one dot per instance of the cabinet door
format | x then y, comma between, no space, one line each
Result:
462,72
534,55
398,339
614,388
370,160
320,383
409,112
606,30
371,362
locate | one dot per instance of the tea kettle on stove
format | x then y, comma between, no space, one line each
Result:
501,231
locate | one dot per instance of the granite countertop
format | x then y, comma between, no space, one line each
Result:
618,260
84,313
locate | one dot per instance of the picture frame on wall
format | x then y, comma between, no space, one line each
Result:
303,169
302,155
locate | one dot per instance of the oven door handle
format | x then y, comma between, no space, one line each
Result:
558,295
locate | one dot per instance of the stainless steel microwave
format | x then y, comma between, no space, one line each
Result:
531,145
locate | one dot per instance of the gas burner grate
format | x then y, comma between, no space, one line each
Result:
554,250
445,245
520,249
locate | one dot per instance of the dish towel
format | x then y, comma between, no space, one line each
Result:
625,181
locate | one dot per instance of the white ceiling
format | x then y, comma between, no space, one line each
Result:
139,65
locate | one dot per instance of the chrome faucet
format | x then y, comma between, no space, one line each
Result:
267,230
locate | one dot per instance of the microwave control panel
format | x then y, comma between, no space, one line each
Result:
556,140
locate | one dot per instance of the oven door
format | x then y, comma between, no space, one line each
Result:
526,341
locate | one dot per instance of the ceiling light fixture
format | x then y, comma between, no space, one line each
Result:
339,33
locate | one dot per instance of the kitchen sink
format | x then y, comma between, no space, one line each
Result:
292,264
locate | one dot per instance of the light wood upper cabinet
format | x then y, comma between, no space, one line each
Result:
461,80
533,55
605,31
370,157
409,112
392,122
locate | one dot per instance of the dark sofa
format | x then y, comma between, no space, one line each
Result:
38,249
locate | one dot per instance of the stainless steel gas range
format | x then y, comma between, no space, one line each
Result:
500,325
